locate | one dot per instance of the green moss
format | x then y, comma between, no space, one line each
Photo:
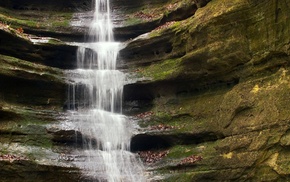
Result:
179,152
43,141
60,23
252,115
186,173
55,41
161,70
12,66
26,126
208,110
38,20
14,22
265,173
189,113
133,21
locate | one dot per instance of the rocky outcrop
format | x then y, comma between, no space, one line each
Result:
142,17
32,92
50,19
211,97
23,67
213,93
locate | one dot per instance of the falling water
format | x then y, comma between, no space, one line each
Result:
96,104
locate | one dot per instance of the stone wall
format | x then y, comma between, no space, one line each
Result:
211,96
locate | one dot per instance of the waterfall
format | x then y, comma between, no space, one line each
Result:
96,106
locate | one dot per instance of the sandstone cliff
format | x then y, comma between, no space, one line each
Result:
211,96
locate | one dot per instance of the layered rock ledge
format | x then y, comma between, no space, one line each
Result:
212,99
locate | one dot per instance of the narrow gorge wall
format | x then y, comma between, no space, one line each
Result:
212,96
213,99
33,92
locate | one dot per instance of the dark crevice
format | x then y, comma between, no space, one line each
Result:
8,116
59,56
179,14
33,91
69,137
72,138
147,92
139,97
75,139
139,92
143,142
6,132
136,106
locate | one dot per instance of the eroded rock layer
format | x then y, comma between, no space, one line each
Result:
212,102
211,96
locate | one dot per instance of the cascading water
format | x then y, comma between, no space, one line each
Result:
96,105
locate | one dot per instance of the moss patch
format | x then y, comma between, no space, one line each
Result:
161,70
26,126
248,127
50,21
15,67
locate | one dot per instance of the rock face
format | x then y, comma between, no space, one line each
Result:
215,93
212,99
32,93
58,5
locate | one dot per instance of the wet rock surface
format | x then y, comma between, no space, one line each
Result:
216,88
212,99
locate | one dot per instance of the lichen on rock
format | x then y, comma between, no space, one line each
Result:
227,71
212,96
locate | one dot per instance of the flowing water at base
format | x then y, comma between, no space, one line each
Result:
96,105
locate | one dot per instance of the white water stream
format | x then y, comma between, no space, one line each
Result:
96,105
